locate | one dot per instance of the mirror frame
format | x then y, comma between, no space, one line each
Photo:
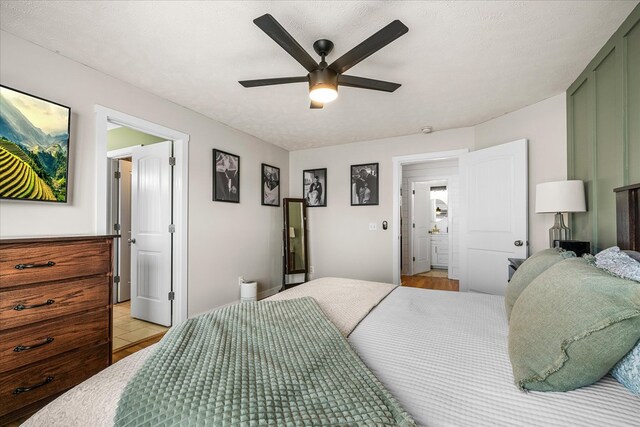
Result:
287,269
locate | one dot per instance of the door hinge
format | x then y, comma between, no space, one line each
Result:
172,296
172,161
116,279
172,228
414,259
117,174
414,225
116,227
413,191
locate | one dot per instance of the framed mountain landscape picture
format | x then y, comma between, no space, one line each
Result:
34,147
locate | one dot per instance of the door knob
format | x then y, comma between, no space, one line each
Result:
131,241
518,243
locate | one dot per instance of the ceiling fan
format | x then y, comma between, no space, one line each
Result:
324,79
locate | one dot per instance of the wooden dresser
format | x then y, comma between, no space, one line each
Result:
55,317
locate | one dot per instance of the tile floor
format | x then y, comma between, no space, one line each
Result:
127,330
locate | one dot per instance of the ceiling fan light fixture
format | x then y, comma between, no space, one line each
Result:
323,85
323,93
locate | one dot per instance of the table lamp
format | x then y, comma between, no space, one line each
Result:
558,197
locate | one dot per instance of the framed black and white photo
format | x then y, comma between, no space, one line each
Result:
314,185
226,177
270,185
364,184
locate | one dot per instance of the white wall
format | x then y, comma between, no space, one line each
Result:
340,243
544,124
225,240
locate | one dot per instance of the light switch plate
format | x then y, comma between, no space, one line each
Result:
373,226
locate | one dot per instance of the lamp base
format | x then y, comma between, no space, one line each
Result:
559,231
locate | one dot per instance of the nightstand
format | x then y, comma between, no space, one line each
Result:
514,263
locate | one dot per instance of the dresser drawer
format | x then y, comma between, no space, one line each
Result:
51,300
20,347
24,386
53,261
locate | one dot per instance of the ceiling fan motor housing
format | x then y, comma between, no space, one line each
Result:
324,78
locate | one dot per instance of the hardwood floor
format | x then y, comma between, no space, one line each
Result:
431,282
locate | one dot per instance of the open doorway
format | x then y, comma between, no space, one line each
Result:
141,210
158,159
489,217
432,169
428,235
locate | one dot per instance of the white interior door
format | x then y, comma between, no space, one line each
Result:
493,215
420,228
151,239
124,254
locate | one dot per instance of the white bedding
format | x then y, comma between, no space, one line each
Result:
444,356
93,402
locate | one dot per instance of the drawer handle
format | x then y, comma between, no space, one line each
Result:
29,347
23,266
21,307
26,389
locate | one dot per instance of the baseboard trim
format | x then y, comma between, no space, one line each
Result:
268,292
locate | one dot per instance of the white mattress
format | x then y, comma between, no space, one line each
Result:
444,356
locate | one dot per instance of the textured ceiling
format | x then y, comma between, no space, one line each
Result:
460,64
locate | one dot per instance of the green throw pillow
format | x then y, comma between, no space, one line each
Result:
529,270
571,325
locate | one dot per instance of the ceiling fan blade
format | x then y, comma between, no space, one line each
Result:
275,81
369,46
364,83
316,105
273,29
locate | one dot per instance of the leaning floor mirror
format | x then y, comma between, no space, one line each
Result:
295,260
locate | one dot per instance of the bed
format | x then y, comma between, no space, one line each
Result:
442,355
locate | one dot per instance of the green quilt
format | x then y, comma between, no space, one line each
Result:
268,363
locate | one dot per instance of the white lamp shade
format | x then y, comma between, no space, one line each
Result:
560,196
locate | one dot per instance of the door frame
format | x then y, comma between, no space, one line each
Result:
398,162
113,203
180,140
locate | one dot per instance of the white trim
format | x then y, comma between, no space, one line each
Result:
398,162
268,292
104,116
122,153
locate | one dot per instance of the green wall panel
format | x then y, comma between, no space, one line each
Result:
583,158
609,146
603,125
633,103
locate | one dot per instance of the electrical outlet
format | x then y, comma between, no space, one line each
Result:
311,269
373,226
